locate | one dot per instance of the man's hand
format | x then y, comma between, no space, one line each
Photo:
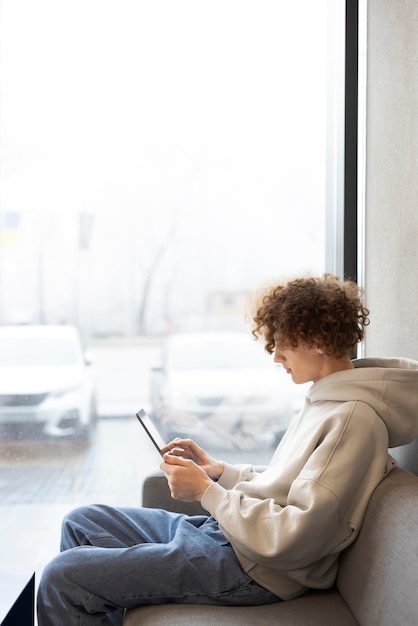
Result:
187,480
189,469
188,449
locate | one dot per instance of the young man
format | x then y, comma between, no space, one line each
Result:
268,536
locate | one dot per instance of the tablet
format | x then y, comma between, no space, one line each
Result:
146,422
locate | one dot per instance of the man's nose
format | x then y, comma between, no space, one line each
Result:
277,357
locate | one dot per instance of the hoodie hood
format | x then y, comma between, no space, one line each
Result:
389,386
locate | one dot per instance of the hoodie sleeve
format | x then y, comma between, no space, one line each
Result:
325,503
234,474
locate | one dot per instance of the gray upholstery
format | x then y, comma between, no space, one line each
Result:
319,609
407,456
376,584
378,574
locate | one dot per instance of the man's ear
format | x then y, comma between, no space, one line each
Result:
319,350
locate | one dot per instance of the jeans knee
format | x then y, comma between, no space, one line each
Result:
77,524
77,515
62,589
70,529
54,573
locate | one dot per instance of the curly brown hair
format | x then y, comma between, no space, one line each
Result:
322,312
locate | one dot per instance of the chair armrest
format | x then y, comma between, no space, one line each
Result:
156,495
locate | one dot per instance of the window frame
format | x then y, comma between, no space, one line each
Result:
342,200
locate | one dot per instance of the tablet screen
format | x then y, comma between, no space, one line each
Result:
151,430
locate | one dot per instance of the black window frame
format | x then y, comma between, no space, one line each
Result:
350,207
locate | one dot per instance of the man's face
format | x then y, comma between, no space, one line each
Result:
302,363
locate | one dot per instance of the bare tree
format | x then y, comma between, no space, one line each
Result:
176,212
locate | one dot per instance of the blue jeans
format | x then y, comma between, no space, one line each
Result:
113,559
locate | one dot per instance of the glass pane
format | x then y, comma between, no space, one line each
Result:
159,163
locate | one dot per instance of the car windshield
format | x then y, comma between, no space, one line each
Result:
216,354
36,351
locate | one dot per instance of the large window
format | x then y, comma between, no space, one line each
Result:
159,163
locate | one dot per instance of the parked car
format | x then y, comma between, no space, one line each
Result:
46,382
223,390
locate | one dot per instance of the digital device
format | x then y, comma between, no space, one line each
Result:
152,432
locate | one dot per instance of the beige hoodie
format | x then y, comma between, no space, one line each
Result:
289,523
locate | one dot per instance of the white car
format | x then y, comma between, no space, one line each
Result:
223,390
46,382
